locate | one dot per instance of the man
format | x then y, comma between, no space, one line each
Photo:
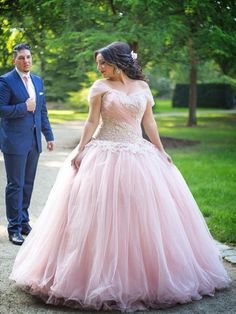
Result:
23,116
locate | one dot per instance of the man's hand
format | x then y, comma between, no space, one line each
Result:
31,104
50,145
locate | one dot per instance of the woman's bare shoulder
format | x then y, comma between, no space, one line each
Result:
142,84
100,82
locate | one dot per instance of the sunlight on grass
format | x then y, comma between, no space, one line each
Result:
62,112
169,125
164,105
61,116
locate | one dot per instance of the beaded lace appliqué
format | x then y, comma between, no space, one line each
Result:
136,148
117,135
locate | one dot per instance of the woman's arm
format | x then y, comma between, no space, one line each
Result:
89,128
150,128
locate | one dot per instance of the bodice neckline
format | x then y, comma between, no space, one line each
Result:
128,94
124,93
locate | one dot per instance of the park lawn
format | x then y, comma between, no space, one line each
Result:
208,167
61,116
165,106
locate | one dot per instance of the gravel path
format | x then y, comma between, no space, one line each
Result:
13,300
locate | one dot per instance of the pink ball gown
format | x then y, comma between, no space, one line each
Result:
124,231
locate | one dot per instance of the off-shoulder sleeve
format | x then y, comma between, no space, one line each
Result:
98,88
150,98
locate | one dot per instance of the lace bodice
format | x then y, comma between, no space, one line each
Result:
121,113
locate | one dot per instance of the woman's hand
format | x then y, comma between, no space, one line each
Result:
167,156
76,161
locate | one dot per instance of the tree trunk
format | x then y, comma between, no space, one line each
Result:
192,103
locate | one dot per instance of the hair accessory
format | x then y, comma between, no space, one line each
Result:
134,55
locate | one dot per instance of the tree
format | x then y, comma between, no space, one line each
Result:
64,34
195,26
188,31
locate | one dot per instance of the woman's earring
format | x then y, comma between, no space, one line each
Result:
117,70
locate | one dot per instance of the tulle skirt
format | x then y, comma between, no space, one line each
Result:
123,232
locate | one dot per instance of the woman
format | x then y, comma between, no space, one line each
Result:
120,229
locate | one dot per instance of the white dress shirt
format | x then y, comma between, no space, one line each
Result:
30,88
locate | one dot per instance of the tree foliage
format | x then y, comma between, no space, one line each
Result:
65,33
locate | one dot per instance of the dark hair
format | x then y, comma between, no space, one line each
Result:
119,54
20,47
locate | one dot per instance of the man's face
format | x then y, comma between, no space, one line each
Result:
23,60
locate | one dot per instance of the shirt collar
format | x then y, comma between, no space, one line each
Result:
22,74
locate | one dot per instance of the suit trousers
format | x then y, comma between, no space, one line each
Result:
20,171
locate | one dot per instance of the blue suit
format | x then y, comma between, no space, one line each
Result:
20,142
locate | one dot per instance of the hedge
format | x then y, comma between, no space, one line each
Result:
208,96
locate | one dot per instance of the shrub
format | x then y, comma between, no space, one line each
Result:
78,100
208,96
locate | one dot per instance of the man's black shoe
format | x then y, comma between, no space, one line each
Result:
26,229
16,238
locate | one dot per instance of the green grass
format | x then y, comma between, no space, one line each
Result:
208,167
61,116
164,105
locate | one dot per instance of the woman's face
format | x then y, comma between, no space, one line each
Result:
106,69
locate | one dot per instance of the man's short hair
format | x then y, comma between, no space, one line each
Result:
20,47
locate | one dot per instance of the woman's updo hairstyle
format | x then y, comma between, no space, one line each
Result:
119,54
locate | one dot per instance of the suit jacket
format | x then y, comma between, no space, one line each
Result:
17,124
